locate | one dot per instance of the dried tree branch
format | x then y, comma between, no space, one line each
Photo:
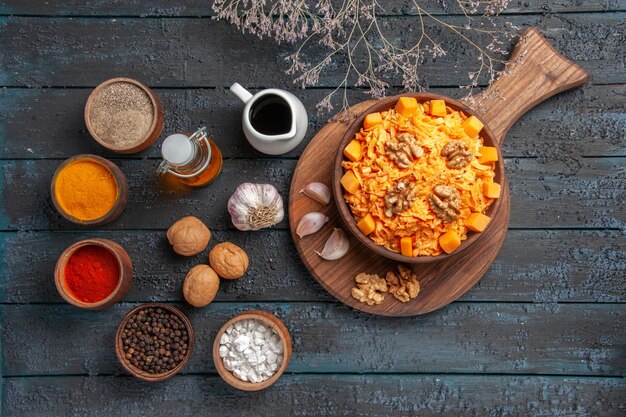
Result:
348,29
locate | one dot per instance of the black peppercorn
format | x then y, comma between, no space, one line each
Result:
150,345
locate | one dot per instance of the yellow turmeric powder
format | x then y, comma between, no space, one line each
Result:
86,189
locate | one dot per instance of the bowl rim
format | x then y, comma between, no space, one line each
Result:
338,171
120,181
146,376
59,271
282,332
155,115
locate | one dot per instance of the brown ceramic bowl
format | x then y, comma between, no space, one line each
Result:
272,321
120,202
153,132
344,210
125,274
146,376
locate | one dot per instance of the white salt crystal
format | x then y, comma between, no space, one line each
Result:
241,343
223,351
277,347
251,350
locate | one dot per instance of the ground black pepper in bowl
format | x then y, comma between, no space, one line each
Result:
154,341
124,115
121,115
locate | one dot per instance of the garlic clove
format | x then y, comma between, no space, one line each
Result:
311,223
336,246
318,192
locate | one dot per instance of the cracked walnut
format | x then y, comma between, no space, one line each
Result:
457,154
370,288
445,203
405,150
400,198
404,284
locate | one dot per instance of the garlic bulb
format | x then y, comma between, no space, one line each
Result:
336,246
255,206
318,192
310,223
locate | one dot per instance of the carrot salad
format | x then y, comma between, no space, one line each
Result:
379,172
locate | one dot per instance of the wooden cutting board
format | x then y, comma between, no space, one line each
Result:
535,71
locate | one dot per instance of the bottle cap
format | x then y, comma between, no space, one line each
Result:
177,150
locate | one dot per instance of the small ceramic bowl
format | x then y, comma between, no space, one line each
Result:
120,202
125,274
344,210
268,319
153,132
138,373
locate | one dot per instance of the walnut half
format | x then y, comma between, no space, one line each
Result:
405,150
400,198
403,285
445,203
370,289
457,154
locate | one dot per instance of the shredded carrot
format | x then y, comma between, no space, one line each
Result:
377,174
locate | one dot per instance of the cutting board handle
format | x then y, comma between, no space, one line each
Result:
534,72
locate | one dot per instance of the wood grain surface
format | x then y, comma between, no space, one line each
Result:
535,72
540,335
191,53
199,8
329,337
320,395
534,266
551,193
440,282
45,120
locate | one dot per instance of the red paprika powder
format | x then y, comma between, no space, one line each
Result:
92,273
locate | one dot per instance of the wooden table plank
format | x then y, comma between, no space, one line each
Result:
553,303
533,266
202,52
49,123
319,395
569,339
196,8
586,193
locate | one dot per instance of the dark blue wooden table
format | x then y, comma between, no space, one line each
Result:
541,335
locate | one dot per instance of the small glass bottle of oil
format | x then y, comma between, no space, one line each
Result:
192,160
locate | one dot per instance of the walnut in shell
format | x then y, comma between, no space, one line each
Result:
370,288
201,285
189,236
228,260
404,284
